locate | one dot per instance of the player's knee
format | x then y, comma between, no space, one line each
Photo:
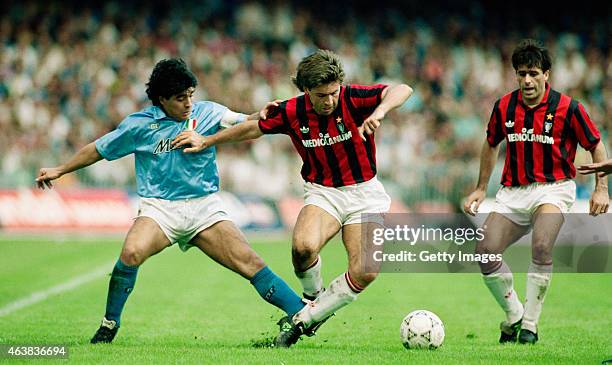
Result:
132,256
303,250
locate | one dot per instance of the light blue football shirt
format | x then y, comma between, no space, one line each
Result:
163,172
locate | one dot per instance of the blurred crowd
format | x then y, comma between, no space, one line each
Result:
70,72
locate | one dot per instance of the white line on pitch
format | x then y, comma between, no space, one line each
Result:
71,284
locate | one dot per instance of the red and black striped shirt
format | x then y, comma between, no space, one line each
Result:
541,141
332,151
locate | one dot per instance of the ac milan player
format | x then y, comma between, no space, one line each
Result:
542,128
332,127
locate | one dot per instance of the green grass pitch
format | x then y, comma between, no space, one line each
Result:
187,309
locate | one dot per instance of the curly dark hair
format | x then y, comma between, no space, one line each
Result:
531,53
169,77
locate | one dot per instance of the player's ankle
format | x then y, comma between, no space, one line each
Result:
528,325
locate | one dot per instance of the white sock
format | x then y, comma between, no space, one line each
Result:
501,285
335,297
311,279
538,281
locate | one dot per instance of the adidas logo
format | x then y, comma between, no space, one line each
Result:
510,124
304,129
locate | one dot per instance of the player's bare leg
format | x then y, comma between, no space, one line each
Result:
144,239
500,233
227,245
313,229
546,222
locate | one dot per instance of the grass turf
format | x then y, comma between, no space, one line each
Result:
187,309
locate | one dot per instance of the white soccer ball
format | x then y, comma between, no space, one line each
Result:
422,329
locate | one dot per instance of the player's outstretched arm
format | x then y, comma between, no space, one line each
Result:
600,199
488,156
242,132
195,142
602,169
249,129
84,157
391,98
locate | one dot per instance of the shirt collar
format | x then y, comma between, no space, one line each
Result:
158,113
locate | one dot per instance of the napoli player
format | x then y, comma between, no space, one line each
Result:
177,190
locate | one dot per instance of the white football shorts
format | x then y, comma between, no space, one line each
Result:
181,220
348,203
518,203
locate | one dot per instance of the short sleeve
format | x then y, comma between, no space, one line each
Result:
366,98
495,132
211,116
117,143
231,118
275,122
585,129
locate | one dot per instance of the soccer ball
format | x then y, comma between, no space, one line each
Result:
422,329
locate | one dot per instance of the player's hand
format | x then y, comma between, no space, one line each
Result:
598,204
263,113
371,123
45,175
191,141
473,201
601,168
